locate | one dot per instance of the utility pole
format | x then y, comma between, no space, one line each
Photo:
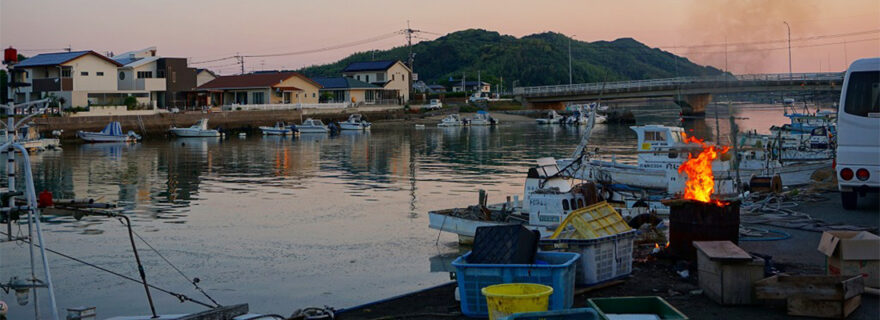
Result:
240,61
463,87
569,60
409,32
789,47
845,58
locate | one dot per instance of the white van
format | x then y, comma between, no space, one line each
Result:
858,132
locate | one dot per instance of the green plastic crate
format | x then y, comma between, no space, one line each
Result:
636,305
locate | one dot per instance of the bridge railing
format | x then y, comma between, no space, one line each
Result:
667,82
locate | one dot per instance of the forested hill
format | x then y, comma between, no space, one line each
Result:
538,59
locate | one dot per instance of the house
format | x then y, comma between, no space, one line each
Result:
261,88
344,89
420,87
436,88
80,78
392,75
169,81
472,86
203,76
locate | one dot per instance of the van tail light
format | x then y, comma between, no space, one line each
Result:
846,174
863,174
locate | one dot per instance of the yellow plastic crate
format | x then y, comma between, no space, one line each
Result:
591,222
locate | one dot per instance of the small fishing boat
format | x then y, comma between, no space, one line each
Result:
28,135
581,114
551,118
482,118
312,126
420,126
111,133
452,120
280,129
355,122
200,129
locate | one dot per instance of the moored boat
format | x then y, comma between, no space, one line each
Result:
111,133
452,120
355,122
280,129
312,126
551,118
200,129
482,118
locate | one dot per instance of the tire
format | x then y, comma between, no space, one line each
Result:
849,199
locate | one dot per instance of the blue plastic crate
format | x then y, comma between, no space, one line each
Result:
570,314
555,269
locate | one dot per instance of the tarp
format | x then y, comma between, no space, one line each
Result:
113,129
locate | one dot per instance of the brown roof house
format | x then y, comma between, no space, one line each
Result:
262,88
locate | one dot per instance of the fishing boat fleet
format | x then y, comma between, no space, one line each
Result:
555,187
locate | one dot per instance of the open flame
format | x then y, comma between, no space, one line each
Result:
701,181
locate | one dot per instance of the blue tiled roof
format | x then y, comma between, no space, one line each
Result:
343,83
369,66
50,59
125,60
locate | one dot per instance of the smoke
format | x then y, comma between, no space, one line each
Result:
749,27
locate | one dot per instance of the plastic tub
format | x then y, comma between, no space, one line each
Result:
602,259
557,270
570,314
509,298
636,306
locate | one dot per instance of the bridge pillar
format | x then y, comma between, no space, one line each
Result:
694,105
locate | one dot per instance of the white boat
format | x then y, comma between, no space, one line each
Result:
312,126
452,120
28,135
482,118
793,146
551,118
581,114
111,133
200,129
662,149
355,122
280,129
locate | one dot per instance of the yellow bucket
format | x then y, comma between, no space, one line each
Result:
509,298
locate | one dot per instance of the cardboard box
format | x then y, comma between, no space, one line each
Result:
852,253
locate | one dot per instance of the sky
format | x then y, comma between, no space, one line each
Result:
826,35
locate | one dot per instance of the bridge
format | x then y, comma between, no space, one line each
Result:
692,94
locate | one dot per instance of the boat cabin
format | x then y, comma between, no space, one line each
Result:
666,142
549,198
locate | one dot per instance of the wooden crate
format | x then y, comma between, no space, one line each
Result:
815,296
727,273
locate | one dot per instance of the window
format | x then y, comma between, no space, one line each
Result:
258,97
392,77
863,93
144,74
65,73
655,136
367,77
47,73
84,73
313,94
565,204
358,77
380,77
121,75
100,74
403,77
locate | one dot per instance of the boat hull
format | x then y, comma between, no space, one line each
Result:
276,131
353,126
190,133
93,137
312,129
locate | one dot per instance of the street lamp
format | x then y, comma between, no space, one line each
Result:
569,59
789,47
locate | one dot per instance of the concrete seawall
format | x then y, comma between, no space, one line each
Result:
159,124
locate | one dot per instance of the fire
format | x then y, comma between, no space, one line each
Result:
667,244
701,181
656,245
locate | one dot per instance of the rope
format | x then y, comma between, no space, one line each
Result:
179,296
194,281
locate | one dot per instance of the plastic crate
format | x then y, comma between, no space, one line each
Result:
602,259
590,222
555,269
570,314
636,305
513,244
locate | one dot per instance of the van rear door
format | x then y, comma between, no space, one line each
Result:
859,118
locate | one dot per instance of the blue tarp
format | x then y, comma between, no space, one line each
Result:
113,129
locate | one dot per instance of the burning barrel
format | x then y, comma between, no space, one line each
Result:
691,220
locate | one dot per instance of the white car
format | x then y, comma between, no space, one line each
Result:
477,97
434,104
858,122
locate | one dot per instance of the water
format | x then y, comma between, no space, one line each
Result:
284,223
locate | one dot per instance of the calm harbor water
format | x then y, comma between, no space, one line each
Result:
284,223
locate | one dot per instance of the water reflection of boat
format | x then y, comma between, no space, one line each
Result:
110,149
111,133
199,129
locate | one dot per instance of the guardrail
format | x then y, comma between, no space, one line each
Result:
284,106
666,82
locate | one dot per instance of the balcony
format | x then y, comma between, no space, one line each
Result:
51,84
143,84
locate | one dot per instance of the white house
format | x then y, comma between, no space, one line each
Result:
472,86
79,77
391,75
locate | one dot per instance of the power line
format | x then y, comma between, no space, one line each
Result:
839,35
339,46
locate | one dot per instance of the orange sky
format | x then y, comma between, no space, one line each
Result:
208,29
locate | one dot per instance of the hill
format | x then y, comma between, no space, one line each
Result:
538,59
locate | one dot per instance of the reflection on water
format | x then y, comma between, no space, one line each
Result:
284,222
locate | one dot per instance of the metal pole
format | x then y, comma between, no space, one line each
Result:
569,60
10,161
789,48
137,258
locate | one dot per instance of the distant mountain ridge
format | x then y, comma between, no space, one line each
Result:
537,59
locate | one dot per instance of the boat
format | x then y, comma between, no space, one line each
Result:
662,149
551,118
312,126
581,114
200,129
452,120
280,129
355,122
482,118
28,135
111,133
419,126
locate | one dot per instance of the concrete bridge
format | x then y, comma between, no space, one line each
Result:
692,94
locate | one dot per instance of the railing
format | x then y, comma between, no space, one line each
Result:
666,82
283,106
